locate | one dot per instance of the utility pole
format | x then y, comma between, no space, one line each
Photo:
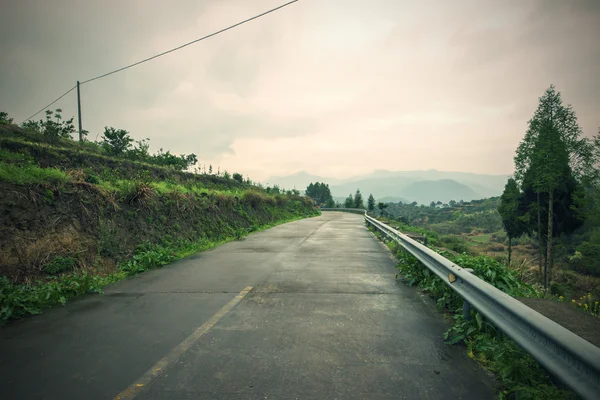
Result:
79,112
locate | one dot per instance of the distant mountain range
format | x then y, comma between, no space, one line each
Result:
406,186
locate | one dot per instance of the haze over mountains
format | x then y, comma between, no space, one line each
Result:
407,186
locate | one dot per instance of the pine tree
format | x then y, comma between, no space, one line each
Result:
552,155
358,200
371,203
511,212
349,203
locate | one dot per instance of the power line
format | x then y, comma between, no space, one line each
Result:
163,53
189,43
66,93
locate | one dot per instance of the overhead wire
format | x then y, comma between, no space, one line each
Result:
164,53
66,93
189,43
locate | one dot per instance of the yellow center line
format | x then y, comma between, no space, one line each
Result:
135,388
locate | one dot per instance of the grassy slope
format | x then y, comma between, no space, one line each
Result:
75,220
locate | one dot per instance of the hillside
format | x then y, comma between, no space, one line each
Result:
444,190
385,184
75,218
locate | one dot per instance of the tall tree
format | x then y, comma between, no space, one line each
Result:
329,203
552,151
371,203
320,193
349,203
382,206
511,212
358,200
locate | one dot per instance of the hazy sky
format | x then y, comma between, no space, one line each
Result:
336,88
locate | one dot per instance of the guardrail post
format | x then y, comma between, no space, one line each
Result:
466,306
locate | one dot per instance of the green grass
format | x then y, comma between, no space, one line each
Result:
14,158
30,174
484,238
124,186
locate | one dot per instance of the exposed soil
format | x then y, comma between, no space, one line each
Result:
582,324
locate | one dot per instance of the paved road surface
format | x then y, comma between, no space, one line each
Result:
325,319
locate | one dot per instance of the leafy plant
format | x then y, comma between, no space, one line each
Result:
53,127
116,141
148,257
59,265
4,118
238,177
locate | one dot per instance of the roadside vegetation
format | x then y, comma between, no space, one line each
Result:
517,373
79,216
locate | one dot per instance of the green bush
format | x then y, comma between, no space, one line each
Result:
587,257
454,243
59,265
238,177
499,237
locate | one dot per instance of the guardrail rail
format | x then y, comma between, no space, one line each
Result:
573,360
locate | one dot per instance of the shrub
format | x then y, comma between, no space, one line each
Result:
59,265
454,243
499,237
116,141
4,119
494,247
53,130
253,198
139,193
238,177
281,200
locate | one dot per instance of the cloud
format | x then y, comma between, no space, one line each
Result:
336,87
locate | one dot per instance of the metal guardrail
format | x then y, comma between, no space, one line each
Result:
350,210
573,360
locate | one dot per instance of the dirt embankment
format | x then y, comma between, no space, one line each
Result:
94,229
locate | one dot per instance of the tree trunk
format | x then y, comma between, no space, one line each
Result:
549,240
539,233
509,250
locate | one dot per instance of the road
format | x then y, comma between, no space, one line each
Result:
305,310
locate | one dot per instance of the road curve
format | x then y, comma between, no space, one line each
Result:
305,310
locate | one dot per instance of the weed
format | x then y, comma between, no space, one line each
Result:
454,243
48,196
108,240
148,257
585,303
520,375
139,193
59,265
18,300
91,177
